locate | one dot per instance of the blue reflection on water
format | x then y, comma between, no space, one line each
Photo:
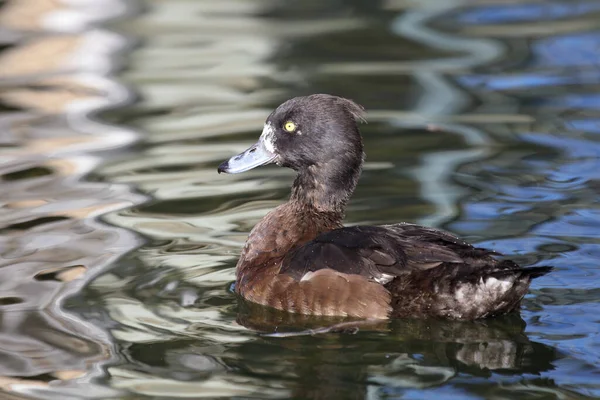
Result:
515,12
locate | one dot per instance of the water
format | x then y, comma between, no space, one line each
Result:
120,240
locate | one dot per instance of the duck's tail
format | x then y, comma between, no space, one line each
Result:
469,295
528,272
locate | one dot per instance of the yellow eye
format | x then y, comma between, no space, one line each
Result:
289,126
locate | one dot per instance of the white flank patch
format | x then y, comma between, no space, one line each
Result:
461,294
268,137
384,278
498,286
484,296
307,276
481,292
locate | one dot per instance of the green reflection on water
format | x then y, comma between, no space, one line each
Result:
439,152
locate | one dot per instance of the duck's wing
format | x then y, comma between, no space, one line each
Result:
431,237
380,253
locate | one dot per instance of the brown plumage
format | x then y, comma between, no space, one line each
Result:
299,258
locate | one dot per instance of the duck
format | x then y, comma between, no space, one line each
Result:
301,259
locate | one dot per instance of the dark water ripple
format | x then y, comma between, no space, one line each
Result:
511,165
483,120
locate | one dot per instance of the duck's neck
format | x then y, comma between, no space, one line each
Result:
326,187
317,205
280,232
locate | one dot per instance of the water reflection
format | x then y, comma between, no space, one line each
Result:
479,347
402,356
459,136
53,77
481,120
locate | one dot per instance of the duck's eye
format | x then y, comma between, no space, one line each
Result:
289,126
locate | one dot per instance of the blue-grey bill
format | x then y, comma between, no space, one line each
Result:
255,156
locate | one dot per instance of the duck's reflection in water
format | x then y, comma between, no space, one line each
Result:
398,354
377,360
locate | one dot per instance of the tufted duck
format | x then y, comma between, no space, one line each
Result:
299,258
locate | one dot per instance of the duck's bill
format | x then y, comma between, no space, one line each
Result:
255,156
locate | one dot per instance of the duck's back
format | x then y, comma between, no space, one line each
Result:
427,272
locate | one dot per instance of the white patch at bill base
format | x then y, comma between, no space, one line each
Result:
268,137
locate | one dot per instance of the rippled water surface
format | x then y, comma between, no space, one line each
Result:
119,239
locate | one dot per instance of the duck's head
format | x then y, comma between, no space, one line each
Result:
313,132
